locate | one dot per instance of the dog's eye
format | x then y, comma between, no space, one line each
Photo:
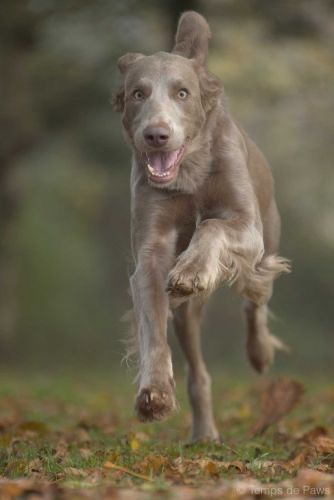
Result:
182,94
138,95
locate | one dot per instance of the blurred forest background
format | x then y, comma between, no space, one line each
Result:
64,196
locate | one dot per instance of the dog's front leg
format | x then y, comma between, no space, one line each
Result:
219,250
155,398
198,268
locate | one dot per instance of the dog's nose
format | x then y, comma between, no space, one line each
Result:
156,136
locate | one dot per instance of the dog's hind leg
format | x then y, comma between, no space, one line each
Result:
187,319
261,344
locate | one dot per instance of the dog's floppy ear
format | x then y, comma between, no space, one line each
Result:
117,99
192,37
125,61
210,89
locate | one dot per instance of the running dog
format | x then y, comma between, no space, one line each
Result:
203,212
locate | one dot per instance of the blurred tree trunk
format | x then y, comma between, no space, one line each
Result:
19,130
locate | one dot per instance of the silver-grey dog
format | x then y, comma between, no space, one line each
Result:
203,213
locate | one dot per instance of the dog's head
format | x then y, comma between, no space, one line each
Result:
165,99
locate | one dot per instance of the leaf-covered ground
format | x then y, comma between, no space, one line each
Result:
76,437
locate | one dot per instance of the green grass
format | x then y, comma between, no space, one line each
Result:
64,429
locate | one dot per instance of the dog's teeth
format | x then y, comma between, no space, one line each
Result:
156,174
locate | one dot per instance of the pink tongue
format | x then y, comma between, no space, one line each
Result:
161,162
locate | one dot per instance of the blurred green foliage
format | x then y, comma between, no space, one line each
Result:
64,198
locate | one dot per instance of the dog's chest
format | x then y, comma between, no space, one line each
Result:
206,202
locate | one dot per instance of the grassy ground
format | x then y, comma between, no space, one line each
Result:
76,437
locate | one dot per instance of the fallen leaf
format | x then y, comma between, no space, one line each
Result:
278,399
10,489
296,462
324,445
314,433
61,450
27,488
110,456
211,469
85,452
314,483
320,446
133,441
74,471
34,466
110,465
17,467
235,464
323,467
152,464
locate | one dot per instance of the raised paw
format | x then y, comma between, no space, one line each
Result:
184,283
153,403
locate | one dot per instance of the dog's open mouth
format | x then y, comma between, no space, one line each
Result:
163,165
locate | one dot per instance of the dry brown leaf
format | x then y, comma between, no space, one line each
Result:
278,399
314,483
85,452
314,433
324,445
211,469
298,461
34,466
152,464
321,445
24,488
323,467
235,464
74,471
11,489
16,466
61,450
271,467
110,465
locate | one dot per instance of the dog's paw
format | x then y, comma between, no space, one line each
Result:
205,433
261,351
181,285
154,403
186,280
